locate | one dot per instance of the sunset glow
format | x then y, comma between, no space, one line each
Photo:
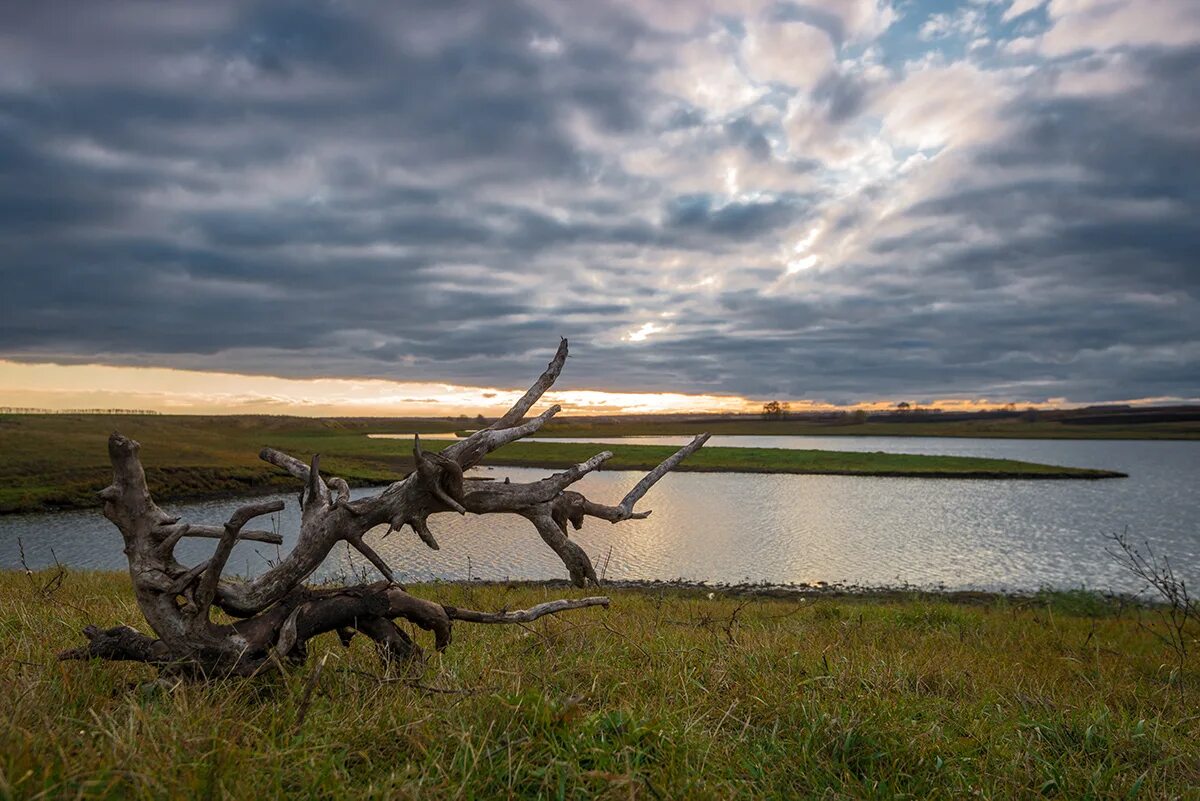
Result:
50,386
91,386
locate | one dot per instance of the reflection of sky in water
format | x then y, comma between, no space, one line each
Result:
776,528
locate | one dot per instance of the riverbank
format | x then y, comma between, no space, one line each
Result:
669,694
915,426
56,462
785,460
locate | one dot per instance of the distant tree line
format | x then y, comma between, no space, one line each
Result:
774,410
30,410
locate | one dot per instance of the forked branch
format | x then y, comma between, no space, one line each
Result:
278,614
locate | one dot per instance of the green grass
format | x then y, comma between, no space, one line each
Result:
669,694
60,461
783,460
1010,428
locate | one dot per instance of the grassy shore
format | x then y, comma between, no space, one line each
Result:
60,461
782,460
670,694
1009,428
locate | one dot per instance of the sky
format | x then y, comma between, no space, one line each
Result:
374,207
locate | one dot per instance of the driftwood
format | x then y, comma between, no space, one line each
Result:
274,615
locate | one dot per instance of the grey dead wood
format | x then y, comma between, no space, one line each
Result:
271,617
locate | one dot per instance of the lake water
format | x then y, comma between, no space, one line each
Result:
1011,534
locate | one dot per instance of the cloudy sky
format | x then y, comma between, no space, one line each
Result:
834,201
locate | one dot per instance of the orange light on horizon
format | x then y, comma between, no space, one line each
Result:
56,386
172,391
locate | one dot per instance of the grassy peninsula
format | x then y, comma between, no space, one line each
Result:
781,460
670,694
59,461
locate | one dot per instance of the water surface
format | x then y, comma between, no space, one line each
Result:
1009,534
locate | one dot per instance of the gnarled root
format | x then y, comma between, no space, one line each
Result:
280,635
277,614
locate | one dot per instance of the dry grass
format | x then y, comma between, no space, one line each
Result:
671,694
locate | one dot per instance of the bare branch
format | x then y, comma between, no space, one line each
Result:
651,478
421,526
440,475
524,615
613,514
173,534
289,463
519,409
573,506
245,514
469,451
313,679
491,496
122,644
212,574
315,487
186,580
374,558
578,565
566,478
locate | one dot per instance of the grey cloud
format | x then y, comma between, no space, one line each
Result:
812,14
360,191
843,96
736,220
752,137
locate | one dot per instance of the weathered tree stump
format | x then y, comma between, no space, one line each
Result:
275,613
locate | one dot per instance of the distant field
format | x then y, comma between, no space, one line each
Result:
1011,428
60,461
672,693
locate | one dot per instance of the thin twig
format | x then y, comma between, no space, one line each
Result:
313,678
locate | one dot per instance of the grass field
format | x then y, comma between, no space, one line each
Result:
780,460
60,461
1010,428
670,694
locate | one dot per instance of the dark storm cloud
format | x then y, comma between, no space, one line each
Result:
421,191
94,267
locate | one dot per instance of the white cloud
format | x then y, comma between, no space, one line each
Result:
1020,46
791,53
967,22
936,106
862,19
1104,24
706,74
644,332
1020,7
546,45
